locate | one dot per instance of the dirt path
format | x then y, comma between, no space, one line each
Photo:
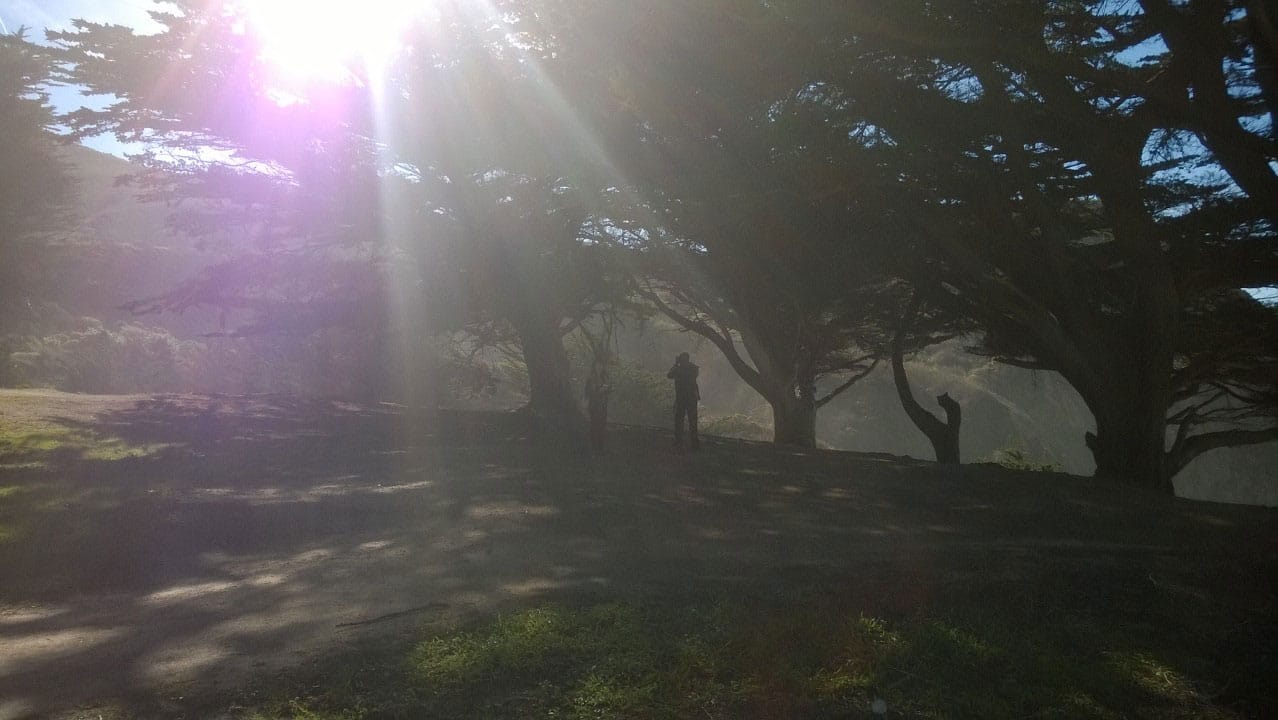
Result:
213,543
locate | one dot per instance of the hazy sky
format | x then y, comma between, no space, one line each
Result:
39,15
57,14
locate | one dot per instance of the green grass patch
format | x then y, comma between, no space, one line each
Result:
38,461
32,445
10,528
809,660
9,532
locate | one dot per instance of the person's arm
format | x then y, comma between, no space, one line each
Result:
671,375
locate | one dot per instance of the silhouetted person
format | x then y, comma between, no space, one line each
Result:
687,394
597,408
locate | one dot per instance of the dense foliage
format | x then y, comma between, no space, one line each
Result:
1083,187
37,194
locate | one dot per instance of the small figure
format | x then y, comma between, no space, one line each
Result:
597,408
687,395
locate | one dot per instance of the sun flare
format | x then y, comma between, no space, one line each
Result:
327,40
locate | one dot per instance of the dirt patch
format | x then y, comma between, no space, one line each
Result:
267,532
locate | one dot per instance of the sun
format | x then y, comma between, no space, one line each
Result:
305,41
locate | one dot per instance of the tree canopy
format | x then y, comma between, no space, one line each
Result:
1082,186
37,193
1088,182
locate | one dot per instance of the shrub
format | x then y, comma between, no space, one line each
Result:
639,396
736,426
95,359
1018,459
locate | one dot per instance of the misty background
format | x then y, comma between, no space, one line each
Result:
69,330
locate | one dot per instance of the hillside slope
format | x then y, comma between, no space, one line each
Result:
164,551
1034,414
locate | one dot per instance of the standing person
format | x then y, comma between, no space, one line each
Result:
687,394
597,408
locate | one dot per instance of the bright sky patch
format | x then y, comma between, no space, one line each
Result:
305,41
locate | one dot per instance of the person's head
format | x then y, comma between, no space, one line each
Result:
683,358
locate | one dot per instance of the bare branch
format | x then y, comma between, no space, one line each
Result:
722,341
1194,445
822,402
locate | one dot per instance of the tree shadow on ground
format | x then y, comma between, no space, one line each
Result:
270,530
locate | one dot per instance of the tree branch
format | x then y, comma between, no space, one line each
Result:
822,402
1193,446
721,341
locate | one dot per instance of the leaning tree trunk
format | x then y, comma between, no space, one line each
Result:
944,436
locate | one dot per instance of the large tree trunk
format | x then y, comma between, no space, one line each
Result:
1129,390
1128,394
1131,409
1130,436
550,393
524,284
794,422
794,410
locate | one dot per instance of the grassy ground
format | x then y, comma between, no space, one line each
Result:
160,555
35,450
35,446
979,655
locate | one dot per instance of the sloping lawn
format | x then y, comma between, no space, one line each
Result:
271,558
983,651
